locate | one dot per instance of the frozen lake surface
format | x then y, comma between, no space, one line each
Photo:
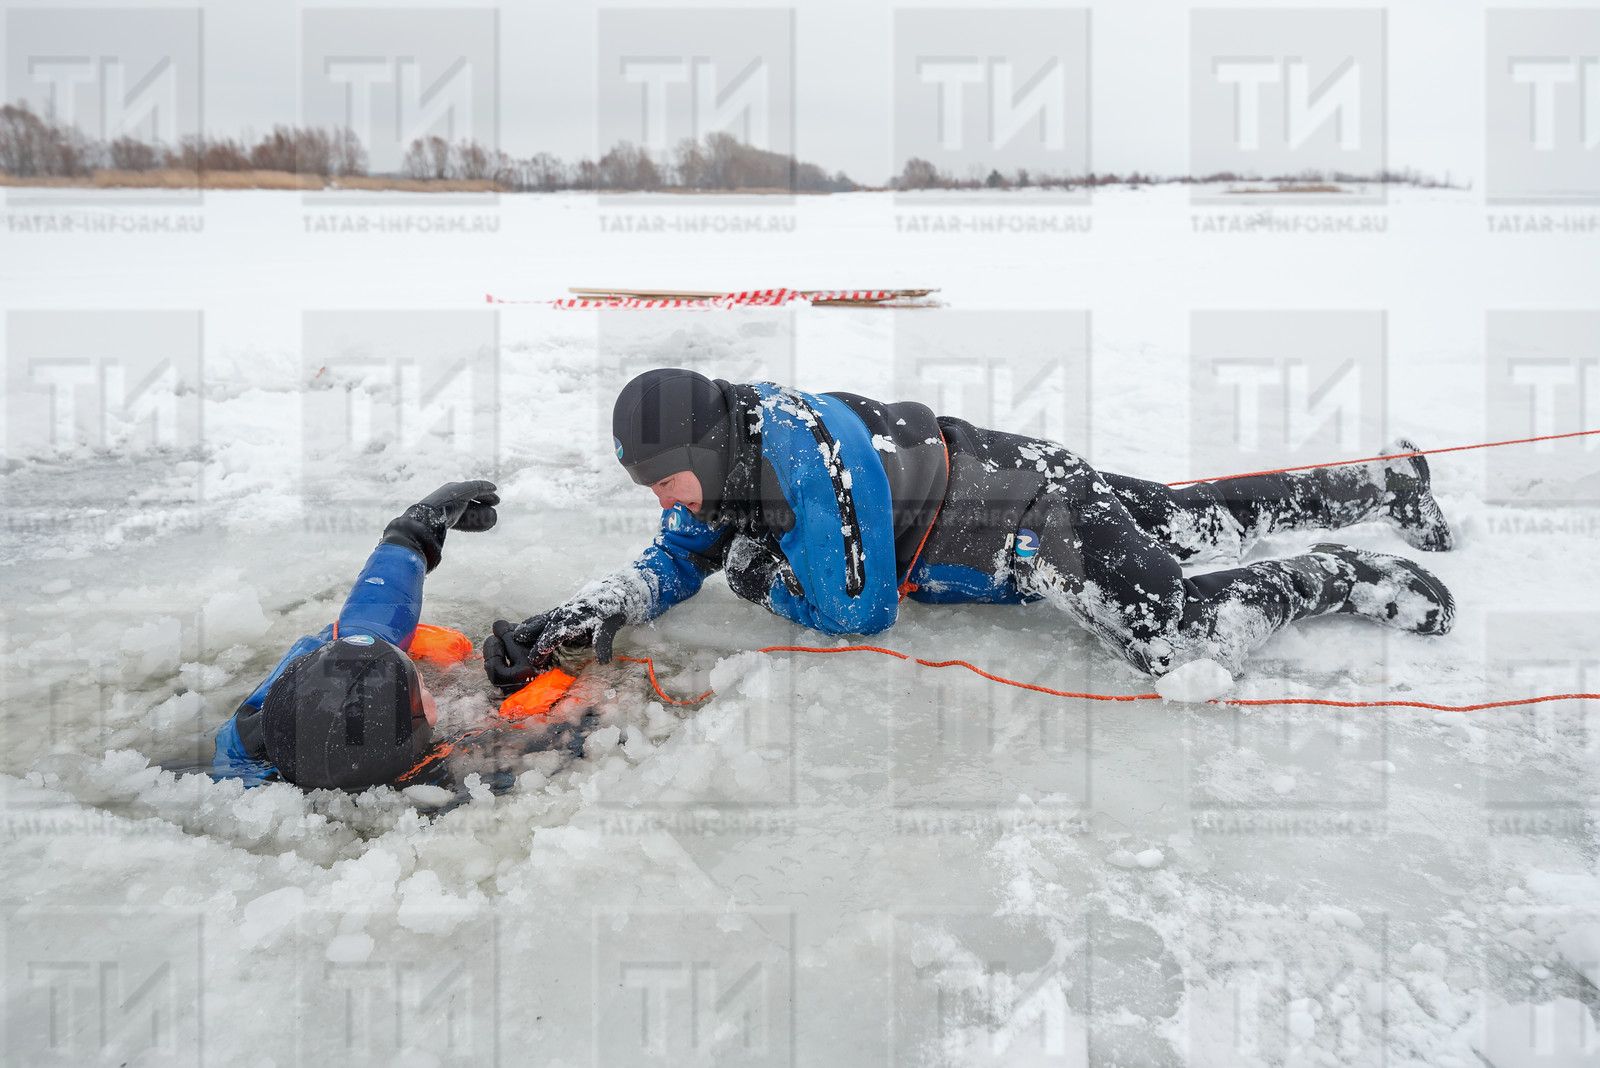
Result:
841,859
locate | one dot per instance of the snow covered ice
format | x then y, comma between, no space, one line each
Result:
848,859
1195,682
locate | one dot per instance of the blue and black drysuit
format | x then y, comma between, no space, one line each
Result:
837,503
385,603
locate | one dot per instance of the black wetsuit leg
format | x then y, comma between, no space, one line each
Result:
1220,520
1101,566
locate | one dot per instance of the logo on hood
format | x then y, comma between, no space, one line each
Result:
358,639
618,443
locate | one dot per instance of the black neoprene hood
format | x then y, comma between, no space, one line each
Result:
670,420
347,715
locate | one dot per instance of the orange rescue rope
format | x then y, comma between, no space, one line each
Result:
1391,456
1252,702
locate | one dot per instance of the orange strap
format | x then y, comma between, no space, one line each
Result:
908,586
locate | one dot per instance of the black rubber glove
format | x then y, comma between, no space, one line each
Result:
453,506
755,566
510,664
515,655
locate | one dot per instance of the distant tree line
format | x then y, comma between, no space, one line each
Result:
718,162
919,173
35,146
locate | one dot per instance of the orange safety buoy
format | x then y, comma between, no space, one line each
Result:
439,646
536,698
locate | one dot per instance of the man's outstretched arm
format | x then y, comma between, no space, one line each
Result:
669,571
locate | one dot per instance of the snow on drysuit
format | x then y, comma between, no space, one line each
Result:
345,708
824,508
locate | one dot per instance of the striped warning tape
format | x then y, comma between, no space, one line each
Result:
748,298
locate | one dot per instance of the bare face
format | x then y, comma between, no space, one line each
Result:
680,488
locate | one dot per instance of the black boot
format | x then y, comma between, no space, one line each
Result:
1389,589
1409,503
1227,614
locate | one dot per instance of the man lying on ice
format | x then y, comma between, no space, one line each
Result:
346,709
827,508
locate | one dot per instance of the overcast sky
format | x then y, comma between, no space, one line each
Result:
844,74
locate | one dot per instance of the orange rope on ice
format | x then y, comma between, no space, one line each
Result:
1479,707
1391,456
650,668
959,663
1252,702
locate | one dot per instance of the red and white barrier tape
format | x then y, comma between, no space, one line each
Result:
748,298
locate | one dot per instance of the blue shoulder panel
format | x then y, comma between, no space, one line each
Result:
823,548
